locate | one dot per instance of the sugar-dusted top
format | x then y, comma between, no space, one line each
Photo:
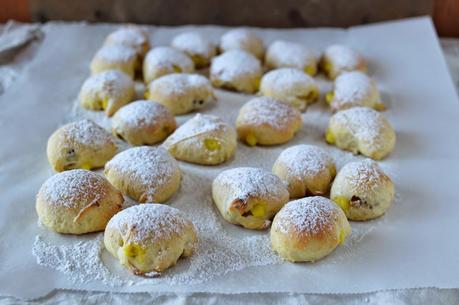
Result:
343,57
234,64
287,78
113,83
244,39
116,53
150,166
199,124
181,83
245,182
128,35
310,216
86,132
142,113
364,176
150,223
352,87
263,110
290,54
194,43
167,57
305,160
74,188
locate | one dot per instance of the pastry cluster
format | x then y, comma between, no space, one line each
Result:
305,200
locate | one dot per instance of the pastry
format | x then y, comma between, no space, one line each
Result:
353,89
338,59
143,123
243,39
150,238
248,196
266,121
146,174
362,190
361,130
108,90
308,229
181,93
77,201
291,86
236,70
204,139
81,144
286,54
306,170
131,36
199,48
165,60
116,57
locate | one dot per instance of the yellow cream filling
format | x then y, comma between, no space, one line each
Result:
134,251
329,137
311,70
147,94
176,69
251,139
329,97
342,202
342,237
258,210
85,166
212,144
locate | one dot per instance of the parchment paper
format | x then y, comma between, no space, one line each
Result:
414,245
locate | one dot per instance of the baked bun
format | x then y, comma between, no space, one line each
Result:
165,60
242,39
354,89
77,201
248,196
362,190
199,48
308,229
236,70
290,86
150,237
181,93
361,130
115,57
266,121
146,174
338,59
306,170
108,90
143,123
286,54
204,139
131,36
81,144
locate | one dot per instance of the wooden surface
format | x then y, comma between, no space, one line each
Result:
264,13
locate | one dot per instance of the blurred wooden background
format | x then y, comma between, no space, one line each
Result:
263,13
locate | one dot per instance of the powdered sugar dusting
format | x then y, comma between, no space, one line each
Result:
343,57
73,187
111,83
142,113
194,43
290,54
287,78
116,52
181,83
365,175
167,57
233,64
352,87
86,132
129,36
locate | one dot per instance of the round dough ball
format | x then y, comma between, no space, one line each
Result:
308,229
361,130
115,57
199,48
165,60
108,90
182,93
242,39
77,202
131,36
204,139
362,190
338,59
143,123
290,86
81,144
150,237
266,121
286,54
248,196
354,89
236,70
306,170
146,174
